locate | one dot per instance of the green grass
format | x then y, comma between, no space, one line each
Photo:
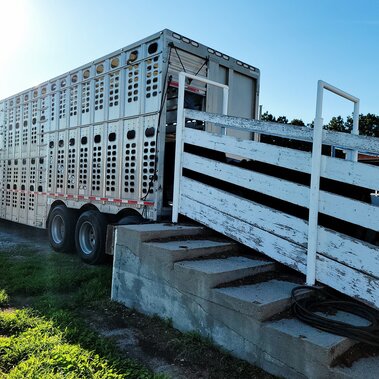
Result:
4,298
27,273
49,339
31,346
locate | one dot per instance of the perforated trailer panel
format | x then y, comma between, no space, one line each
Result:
97,134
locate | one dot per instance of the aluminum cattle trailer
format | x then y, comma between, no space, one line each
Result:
95,145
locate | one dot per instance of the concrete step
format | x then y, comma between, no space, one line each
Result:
260,301
302,346
180,250
134,234
199,276
168,278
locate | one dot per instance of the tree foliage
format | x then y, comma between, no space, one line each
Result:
297,122
368,124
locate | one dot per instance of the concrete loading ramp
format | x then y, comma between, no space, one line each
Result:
241,302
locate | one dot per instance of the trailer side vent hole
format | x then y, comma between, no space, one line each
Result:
149,132
33,161
31,188
152,48
72,141
100,69
84,140
14,186
131,134
8,186
40,189
51,144
132,56
97,138
115,62
61,143
112,137
74,78
23,187
41,160
34,120
25,123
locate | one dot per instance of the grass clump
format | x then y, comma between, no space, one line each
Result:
38,349
33,346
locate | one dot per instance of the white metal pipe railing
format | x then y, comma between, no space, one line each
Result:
316,170
180,128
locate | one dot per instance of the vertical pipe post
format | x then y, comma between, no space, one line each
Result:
225,101
178,147
355,130
314,193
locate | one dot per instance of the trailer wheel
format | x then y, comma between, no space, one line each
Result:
90,235
61,228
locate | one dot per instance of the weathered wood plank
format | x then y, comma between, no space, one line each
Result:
275,247
358,255
345,279
356,212
336,246
349,141
251,150
279,188
279,223
355,173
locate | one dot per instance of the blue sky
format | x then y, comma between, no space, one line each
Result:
293,42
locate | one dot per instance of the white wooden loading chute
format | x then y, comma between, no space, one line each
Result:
341,261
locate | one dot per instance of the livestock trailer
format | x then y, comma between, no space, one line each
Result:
95,145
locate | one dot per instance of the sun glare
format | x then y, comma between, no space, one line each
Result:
13,27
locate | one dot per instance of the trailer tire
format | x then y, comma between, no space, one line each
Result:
61,228
90,236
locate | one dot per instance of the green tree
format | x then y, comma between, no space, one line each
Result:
337,124
282,120
368,124
268,117
297,122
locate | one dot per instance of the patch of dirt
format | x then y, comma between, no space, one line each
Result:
132,342
156,344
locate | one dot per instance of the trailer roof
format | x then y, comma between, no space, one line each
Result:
168,33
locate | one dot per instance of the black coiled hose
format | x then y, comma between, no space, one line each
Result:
318,300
